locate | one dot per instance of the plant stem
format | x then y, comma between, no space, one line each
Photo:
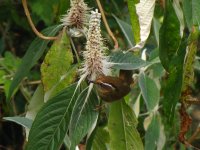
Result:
40,35
116,45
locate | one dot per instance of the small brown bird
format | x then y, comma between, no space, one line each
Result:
114,88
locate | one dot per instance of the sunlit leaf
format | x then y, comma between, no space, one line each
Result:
122,125
145,12
56,65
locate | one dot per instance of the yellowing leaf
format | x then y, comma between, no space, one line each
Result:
55,70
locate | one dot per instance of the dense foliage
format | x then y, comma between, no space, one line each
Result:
52,92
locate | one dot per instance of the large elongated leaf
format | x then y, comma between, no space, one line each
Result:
122,128
126,61
56,64
126,29
169,36
150,91
84,116
173,84
134,19
51,123
31,57
25,122
172,53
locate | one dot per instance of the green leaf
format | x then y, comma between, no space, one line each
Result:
45,9
51,123
187,9
173,84
172,53
126,61
188,72
156,28
3,76
63,7
150,91
152,133
134,19
122,128
192,12
6,87
84,116
25,122
126,29
67,141
196,12
31,57
10,62
169,36
101,139
56,64
36,102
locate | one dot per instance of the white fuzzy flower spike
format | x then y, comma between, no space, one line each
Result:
95,61
77,17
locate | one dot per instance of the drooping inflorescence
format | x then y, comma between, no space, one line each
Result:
95,60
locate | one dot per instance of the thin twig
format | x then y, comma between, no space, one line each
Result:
24,3
106,25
